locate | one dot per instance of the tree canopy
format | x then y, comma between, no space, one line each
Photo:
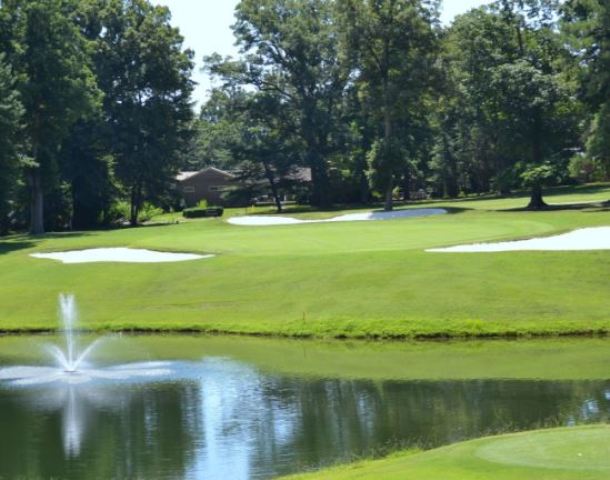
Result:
376,98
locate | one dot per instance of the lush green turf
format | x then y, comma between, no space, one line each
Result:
334,279
581,453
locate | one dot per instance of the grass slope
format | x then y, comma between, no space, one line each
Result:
336,279
581,453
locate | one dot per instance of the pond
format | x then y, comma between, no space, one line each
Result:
244,408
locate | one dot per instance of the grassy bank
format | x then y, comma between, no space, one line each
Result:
359,279
559,454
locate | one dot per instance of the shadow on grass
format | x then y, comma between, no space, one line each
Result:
589,189
14,243
11,246
582,206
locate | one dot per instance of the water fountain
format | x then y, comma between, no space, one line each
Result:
72,364
70,359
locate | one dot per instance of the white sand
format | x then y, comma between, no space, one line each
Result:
262,220
595,238
121,254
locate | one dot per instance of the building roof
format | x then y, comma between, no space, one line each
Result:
299,174
182,176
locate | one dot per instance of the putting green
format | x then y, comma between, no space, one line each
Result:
587,450
577,453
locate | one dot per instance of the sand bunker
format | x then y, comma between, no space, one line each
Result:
595,238
262,220
121,254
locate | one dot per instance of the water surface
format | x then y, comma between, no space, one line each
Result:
228,411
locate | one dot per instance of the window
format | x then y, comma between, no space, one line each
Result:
215,189
188,189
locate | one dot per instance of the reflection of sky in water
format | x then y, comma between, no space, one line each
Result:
220,419
238,418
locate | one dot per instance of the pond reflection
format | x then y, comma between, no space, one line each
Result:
219,419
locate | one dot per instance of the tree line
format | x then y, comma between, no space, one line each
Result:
95,108
381,101
376,97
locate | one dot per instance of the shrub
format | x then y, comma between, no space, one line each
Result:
120,211
585,169
197,212
148,211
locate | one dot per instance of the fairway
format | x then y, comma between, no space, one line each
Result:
348,279
561,454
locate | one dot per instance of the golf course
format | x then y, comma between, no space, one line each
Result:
305,239
559,454
360,279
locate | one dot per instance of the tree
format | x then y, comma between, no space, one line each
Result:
466,157
249,132
508,115
587,26
538,124
395,45
291,50
146,76
266,143
219,129
88,168
56,85
11,112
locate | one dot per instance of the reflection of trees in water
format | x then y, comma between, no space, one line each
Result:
230,421
75,431
342,419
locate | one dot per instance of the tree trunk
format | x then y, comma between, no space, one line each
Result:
406,186
36,203
365,191
319,179
389,201
272,184
387,137
135,206
536,200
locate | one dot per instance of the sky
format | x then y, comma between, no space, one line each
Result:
206,27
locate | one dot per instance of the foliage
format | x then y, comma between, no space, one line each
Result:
201,212
56,84
511,99
10,124
145,74
394,45
584,169
291,52
375,97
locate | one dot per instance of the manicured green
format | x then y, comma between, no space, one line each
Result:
581,453
332,279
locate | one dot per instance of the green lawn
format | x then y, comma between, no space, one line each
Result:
581,453
334,279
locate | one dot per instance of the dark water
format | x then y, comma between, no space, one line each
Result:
222,419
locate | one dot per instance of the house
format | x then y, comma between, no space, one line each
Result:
211,184
207,184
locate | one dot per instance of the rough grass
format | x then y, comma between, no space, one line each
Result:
581,453
358,279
